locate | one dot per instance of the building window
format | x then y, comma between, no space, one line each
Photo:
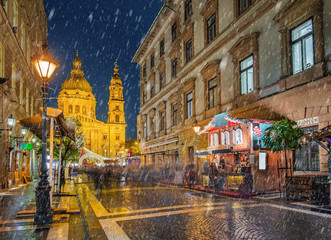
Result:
211,28
117,137
104,137
84,110
191,154
145,129
117,118
162,127
21,91
302,45
174,114
23,37
6,5
77,108
188,8
243,5
214,140
2,60
237,136
162,80
188,48
152,125
144,71
174,68
225,137
27,92
212,93
189,105
161,48
32,105
247,75
144,96
70,108
152,90
174,31
13,76
152,60
307,158
15,14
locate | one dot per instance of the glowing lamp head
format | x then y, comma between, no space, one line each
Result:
24,131
196,128
45,64
33,139
11,121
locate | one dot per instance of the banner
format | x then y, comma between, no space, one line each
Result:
258,132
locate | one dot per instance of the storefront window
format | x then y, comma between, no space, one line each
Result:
307,158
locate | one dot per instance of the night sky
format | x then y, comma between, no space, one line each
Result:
102,31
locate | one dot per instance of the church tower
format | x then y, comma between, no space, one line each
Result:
116,102
76,100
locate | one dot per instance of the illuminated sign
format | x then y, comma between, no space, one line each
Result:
307,121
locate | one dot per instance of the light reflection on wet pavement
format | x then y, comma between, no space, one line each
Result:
145,210
154,211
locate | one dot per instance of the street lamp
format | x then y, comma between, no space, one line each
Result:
33,139
11,121
45,65
24,131
196,129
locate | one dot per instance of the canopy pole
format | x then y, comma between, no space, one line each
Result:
51,139
59,169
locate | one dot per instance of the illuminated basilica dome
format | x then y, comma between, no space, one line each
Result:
77,80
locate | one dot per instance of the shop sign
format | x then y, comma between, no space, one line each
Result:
258,132
307,121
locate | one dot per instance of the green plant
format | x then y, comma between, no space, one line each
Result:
283,136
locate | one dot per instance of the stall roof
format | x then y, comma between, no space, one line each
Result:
62,128
217,121
252,113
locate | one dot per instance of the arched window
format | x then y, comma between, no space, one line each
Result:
239,136
225,138
234,136
84,110
70,108
211,140
77,109
216,140
117,118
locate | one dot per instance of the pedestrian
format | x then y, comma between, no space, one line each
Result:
212,174
191,178
62,178
70,169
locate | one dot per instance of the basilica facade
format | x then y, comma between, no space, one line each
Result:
77,101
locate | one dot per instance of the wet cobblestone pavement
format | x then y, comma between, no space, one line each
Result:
142,210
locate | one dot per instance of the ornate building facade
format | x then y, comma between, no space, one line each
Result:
76,100
23,27
209,57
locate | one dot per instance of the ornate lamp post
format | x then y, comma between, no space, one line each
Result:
45,65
